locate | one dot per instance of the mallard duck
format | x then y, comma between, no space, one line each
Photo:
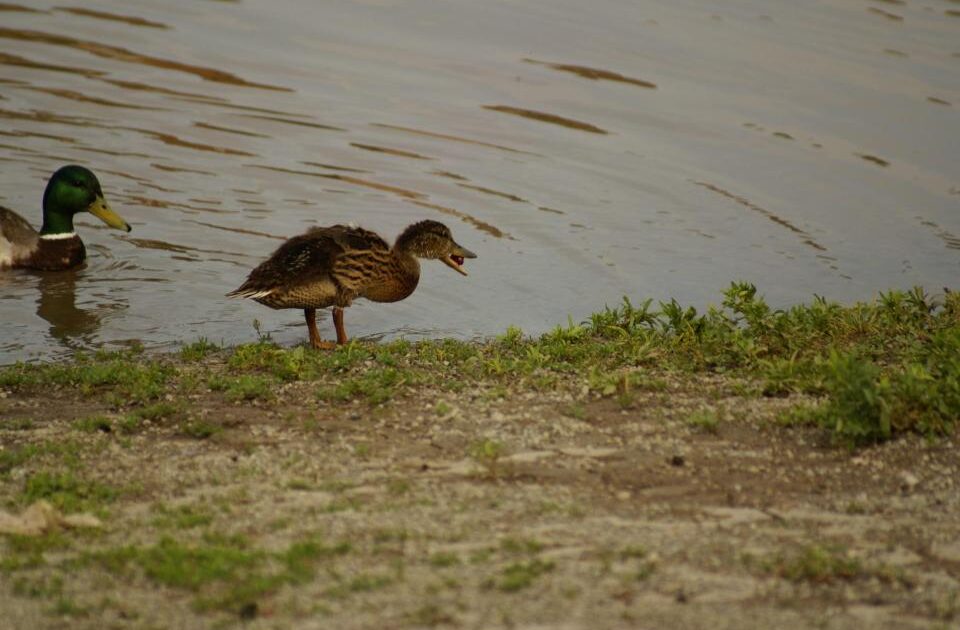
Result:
332,266
71,189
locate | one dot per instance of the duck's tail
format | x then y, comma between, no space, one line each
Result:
249,292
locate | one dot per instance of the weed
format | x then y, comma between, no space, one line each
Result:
67,492
360,583
66,607
375,386
40,587
244,387
520,575
182,517
487,454
94,424
815,564
443,559
577,411
18,424
705,420
198,350
521,546
27,552
199,429
158,411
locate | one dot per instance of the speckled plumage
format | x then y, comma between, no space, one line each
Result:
332,266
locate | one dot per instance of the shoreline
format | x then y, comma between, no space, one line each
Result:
666,468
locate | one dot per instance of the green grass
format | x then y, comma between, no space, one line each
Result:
223,573
200,429
182,517
487,454
67,492
815,564
94,424
521,575
443,559
128,379
879,369
199,350
704,420
29,552
375,386
243,388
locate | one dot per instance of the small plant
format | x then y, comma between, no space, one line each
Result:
94,424
705,420
198,350
520,575
200,429
815,564
577,411
67,492
375,386
183,517
244,387
487,455
444,559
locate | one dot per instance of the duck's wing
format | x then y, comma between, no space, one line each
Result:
18,239
363,258
321,255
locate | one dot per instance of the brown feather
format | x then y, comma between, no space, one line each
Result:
26,249
332,266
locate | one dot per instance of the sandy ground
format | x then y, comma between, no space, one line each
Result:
494,509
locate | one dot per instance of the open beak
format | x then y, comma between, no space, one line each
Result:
454,260
102,211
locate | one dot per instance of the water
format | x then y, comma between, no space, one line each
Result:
656,149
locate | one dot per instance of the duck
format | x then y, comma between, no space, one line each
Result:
70,190
332,266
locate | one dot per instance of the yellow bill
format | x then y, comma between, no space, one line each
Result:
102,211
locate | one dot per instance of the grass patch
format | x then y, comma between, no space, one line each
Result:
94,424
182,517
224,573
521,575
199,350
815,564
67,492
375,386
28,552
705,420
126,378
443,559
880,368
487,455
361,583
18,424
244,387
200,429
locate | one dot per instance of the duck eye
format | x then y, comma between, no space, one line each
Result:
77,183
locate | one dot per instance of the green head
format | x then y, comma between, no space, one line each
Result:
74,189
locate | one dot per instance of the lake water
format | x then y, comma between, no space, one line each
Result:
585,151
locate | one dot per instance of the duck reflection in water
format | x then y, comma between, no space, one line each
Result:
70,324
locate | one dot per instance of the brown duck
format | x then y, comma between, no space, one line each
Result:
72,189
332,266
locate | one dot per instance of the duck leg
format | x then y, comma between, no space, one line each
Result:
310,314
338,323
